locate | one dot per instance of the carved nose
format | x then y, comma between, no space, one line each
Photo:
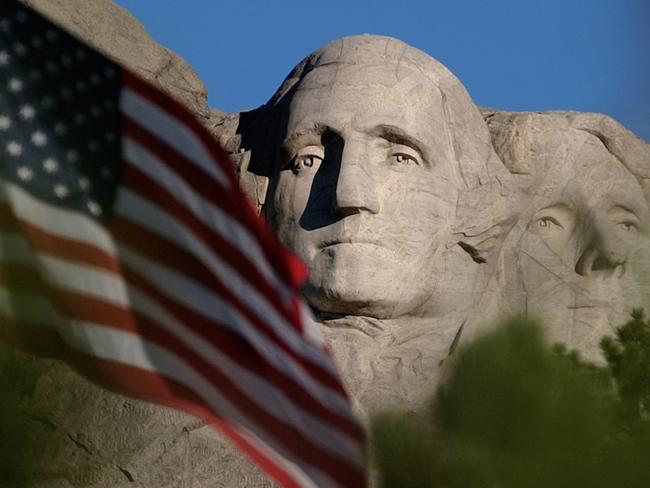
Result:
603,254
594,261
356,189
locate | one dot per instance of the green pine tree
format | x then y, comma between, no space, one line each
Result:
628,357
515,413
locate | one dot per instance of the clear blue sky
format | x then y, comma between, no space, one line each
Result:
591,55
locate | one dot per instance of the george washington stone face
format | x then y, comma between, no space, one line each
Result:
367,177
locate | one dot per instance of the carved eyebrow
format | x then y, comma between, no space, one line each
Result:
397,135
311,135
624,209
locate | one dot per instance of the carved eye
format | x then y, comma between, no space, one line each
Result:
547,222
547,226
624,219
405,157
307,161
555,225
630,227
308,157
553,220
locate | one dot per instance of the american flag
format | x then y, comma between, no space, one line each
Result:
127,249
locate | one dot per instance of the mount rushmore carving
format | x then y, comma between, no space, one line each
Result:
382,176
422,220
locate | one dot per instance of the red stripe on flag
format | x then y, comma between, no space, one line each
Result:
85,307
69,249
292,270
141,184
127,380
163,289
139,239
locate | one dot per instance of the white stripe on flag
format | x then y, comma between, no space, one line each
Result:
57,221
263,393
173,132
83,279
209,305
132,350
213,217
149,216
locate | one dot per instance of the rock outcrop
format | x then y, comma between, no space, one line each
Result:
113,30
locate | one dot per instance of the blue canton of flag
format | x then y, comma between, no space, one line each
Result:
59,118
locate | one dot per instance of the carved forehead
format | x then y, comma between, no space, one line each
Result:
389,75
469,138
533,143
354,99
368,91
580,155
368,51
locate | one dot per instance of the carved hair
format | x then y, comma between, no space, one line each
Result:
520,138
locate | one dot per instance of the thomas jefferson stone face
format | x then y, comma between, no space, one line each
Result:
587,217
366,188
592,212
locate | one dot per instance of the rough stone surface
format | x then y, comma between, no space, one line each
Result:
421,218
385,183
114,31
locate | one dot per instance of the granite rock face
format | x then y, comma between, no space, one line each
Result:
577,256
114,31
382,178
421,219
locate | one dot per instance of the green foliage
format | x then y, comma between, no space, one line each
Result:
628,357
514,413
409,438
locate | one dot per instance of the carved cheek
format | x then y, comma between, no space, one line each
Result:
418,214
